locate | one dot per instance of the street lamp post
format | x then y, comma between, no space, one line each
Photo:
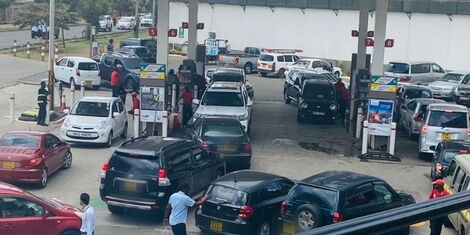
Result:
51,53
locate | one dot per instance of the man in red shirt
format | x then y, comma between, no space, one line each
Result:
115,81
437,192
343,96
135,102
187,97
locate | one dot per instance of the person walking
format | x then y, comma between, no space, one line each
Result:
42,103
187,97
176,213
437,192
115,81
342,96
89,217
110,46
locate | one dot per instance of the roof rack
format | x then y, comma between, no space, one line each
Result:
271,50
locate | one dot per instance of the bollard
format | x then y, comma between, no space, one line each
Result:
82,89
28,48
12,107
195,92
72,95
365,135
56,53
393,133
173,97
359,123
14,47
48,112
42,52
136,123
165,124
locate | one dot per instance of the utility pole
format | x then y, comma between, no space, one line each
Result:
137,19
50,84
153,14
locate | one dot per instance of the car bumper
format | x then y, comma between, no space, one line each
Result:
96,136
320,115
21,175
203,222
237,159
89,81
261,70
442,94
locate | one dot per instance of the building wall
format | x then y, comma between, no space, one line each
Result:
320,33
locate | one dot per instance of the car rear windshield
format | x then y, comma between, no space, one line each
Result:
223,129
88,66
88,108
264,57
417,93
398,68
448,119
16,140
322,197
215,98
451,77
318,91
227,77
135,164
133,63
227,196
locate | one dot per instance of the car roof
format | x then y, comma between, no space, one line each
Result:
98,99
80,59
228,70
149,145
317,81
339,180
122,55
427,101
448,106
226,86
464,159
456,144
412,62
246,180
215,118
33,133
8,189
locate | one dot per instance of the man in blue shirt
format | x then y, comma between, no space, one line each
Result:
177,209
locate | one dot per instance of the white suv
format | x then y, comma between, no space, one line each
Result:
229,99
74,70
95,120
275,63
315,64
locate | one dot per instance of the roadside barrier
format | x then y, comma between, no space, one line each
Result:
14,47
12,107
136,123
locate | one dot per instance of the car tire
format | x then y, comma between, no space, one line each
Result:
109,142
124,132
263,74
248,68
115,209
308,217
70,232
264,229
67,160
44,178
286,97
280,73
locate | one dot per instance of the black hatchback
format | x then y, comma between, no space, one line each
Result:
335,196
317,101
443,155
142,173
243,202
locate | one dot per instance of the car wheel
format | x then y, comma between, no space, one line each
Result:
109,142
286,98
124,132
70,232
67,160
247,68
44,178
337,74
280,73
263,74
264,229
308,217
115,209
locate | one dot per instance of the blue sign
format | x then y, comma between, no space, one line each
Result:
380,117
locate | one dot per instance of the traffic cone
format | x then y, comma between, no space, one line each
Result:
63,106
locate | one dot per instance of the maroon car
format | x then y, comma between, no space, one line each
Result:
30,157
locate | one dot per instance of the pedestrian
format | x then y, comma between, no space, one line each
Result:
187,97
228,47
180,75
437,192
122,93
114,20
343,97
110,46
176,212
172,80
42,103
89,217
135,102
115,81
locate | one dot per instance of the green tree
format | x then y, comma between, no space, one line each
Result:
124,7
90,10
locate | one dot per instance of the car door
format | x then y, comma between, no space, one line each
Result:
51,154
270,199
69,72
204,168
279,63
23,217
294,90
289,83
179,168
122,117
59,69
437,72
60,148
360,201
407,114
385,197
106,67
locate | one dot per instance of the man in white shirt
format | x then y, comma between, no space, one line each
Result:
89,217
177,209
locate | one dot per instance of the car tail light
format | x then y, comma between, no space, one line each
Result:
448,111
35,162
418,119
424,129
468,132
162,178
204,145
246,212
337,217
199,208
438,167
463,151
77,72
283,207
104,169
247,148
405,79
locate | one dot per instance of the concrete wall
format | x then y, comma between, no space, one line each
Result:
320,33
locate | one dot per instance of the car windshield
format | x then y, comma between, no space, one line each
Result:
88,66
132,63
217,98
448,155
227,77
135,164
223,129
322,197
448,118
264,57
229,196
417,93
17,140
301,63
398,68
89,108
451,77
318,91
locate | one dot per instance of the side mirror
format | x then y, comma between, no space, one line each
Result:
115,114
66,111
250,103
196,102
433,148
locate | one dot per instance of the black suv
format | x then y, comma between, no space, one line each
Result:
151,44
443,155
335,196
143,172
128,73
317,101
143,52
243,202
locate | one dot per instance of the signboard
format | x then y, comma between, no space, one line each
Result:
200,26
383,83
184,25
153,32
355,33
370,34
152,101
153,71
389,42
369,42
181,32
172,33
380,117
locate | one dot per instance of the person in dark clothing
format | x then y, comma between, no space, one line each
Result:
115,81
42,103
122,94
110,46
343,96
437,192
200,81
187,97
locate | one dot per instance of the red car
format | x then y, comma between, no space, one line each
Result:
22,213
30,157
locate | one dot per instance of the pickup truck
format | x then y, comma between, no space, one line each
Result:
246,61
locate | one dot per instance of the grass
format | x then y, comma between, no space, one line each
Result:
8,27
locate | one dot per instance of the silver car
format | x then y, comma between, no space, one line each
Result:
443,121
445,87
412,114
416,72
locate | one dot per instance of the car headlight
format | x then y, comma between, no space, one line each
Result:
303,105
447,88
242,117
333,106
102,125
66,123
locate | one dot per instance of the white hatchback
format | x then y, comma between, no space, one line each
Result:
95,120
75,70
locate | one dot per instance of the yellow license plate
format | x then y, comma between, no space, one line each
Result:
216,226
288,228
9,165
446,136
226,148
130,186
88,83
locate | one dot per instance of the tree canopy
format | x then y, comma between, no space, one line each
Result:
31,15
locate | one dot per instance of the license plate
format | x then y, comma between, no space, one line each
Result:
226,148
9,165
318,113
129,186
80,134
216,226
464,98
288,228
88,84
446,136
